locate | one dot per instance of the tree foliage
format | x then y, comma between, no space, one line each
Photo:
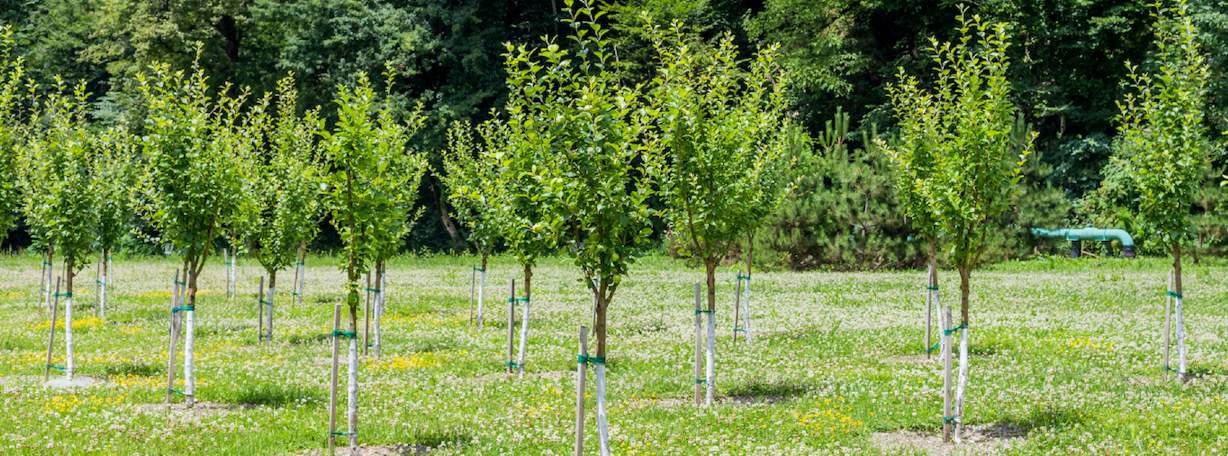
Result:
12,126
723,166
968,135
369,175
286,182
1162,144
56,177
190,148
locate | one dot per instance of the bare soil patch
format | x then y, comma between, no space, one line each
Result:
985,439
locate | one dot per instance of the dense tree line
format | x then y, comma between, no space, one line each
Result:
1070,61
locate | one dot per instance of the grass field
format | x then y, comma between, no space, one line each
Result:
1065,353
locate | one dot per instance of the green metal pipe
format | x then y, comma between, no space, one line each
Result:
1090,234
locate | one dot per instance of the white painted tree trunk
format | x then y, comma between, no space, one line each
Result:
603,431
69,365
524,336
963,383
189,358
710,366
481,295
352,396
232,275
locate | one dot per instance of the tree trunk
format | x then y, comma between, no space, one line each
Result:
189,339
960,388
49,266
300,273
524,323
445,219
710,360
272,292
750,255
103,282
602,418
1179,299
481,289
69,273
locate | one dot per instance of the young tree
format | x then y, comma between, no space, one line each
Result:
365,156
594,174
470,176
286,187
520,148
190,184
401,169
1162,139
973,144
112,179
59,206
12,124
913,154
723,167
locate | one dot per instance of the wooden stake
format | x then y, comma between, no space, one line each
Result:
170,356
511,327
581,370
699,341
332,389
55,304
260,312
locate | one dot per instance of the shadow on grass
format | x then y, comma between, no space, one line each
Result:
306,339
133,369
765,392
1040,417
1205,370
274,396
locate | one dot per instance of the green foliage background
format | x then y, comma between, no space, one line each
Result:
1069,63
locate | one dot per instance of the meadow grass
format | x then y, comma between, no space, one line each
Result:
1066,351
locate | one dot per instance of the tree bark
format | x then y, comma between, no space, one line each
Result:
445,219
